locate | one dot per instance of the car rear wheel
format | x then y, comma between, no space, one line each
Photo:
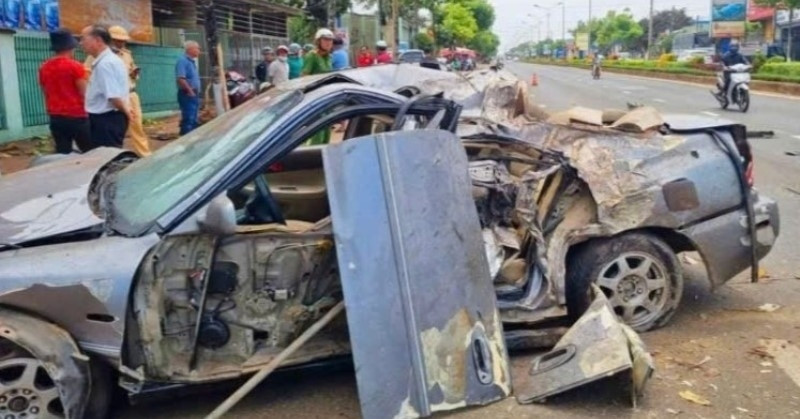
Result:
638,273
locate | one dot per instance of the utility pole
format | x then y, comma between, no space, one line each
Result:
396,28
564,25
650,32
589,27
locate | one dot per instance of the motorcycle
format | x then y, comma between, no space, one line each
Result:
240,89
739,89
596,71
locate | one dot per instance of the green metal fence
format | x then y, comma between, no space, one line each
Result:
31,51
156,87
2,105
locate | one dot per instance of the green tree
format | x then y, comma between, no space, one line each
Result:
485,43
459,22
618,29
790,5
301,29
663,21
483,13
423,41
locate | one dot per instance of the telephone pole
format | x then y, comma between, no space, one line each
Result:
650,31
395,28
589,27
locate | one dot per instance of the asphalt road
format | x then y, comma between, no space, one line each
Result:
708,348
777,174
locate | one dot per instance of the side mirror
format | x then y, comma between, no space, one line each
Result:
219,217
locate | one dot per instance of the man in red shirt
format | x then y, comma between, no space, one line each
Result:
383,56
63,81
365,58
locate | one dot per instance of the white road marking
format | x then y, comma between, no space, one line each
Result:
786,355
710,114
659,100
542,106
796,137
627,92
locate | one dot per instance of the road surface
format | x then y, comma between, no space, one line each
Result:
707,349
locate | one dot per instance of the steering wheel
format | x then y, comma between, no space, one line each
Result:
261,207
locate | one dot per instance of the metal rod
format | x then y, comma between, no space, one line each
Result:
256,379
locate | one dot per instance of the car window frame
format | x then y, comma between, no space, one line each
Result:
269,146
414,106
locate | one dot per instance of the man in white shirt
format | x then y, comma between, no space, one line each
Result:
278,71
107,94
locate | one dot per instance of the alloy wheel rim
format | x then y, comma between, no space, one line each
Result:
27,391
637,287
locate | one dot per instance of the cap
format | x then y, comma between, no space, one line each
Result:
308,47
266,50
294,48
283,48
381,44
118,33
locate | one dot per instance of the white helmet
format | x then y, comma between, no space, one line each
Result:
381,44
323,33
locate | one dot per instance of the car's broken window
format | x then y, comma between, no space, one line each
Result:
153,185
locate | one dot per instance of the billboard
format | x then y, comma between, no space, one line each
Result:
582,41
756,12
133,15
728,18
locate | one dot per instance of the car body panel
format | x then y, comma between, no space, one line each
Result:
424,327
724,241
50,199
83,287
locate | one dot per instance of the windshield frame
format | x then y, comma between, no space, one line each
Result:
275,141
118,224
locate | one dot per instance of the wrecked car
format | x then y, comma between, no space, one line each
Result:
200,262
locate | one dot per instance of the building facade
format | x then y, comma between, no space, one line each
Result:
158,29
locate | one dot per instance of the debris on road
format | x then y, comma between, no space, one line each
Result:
763,308
692,397
769,308
598,346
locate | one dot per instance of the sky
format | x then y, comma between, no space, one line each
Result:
516,20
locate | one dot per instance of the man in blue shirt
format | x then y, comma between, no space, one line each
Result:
339,58
188,77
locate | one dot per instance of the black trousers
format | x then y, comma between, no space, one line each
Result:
67,130
108,129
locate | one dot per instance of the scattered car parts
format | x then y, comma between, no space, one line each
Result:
597,347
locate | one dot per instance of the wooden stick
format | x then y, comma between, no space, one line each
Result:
256,379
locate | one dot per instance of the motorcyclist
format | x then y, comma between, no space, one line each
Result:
383,56
597,63
729,59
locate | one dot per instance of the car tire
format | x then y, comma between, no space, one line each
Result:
101,393
639,274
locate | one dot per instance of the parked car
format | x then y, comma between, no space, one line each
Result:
202,261
411,56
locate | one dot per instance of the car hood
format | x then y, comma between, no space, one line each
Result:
51,199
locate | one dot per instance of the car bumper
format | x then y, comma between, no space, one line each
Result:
724,241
